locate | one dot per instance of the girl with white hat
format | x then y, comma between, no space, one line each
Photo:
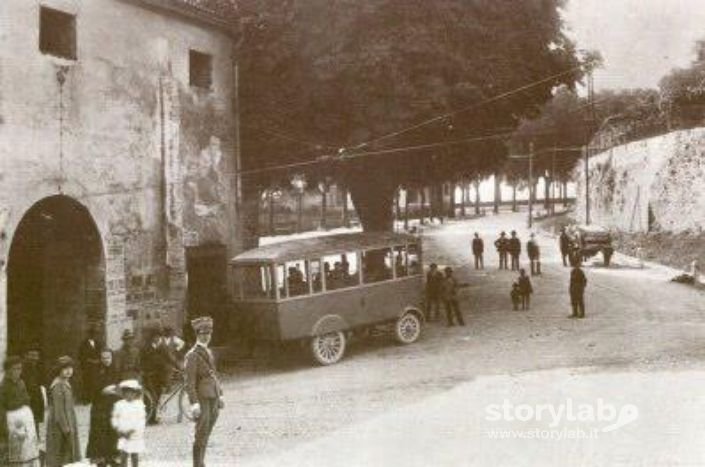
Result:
129,420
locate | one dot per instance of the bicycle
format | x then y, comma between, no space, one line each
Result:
175,389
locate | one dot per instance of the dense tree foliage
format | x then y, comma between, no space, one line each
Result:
318,75
683,92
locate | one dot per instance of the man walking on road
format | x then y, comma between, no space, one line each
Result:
450,298
502,246
532,249
515,250
203,388
564,242
578,281
478,248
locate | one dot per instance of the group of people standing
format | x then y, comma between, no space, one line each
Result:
443,288
112,384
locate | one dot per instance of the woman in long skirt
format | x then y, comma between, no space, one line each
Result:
62,435
18,426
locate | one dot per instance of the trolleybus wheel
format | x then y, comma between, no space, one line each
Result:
407,329
329,348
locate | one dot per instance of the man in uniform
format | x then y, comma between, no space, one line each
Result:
502,246
478,248
434,280
578,281
203,387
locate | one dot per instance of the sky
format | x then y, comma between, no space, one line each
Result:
640,40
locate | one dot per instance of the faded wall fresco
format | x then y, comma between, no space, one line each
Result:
648,185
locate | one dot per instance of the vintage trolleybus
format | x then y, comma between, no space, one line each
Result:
322,290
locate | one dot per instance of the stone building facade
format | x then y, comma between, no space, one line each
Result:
117,154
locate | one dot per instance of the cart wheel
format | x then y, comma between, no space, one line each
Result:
328,349
407,328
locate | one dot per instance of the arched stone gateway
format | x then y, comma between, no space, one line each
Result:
55,278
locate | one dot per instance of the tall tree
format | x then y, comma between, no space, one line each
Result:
375,76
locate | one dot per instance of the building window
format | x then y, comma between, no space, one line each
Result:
200,69
57,33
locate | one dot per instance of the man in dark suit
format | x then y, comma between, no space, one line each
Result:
534,253
89,358
478,249
578,282
204,391
156,368
515,250
502,246
564,243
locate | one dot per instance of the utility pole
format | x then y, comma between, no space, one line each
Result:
553,180
531,184
591,101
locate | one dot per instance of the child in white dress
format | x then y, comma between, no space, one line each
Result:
129,420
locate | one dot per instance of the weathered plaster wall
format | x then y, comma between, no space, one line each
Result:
124,121
662,174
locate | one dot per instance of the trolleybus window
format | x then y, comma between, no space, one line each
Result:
316,275
341,270
377,265
401,266
256,282
414,259
297,278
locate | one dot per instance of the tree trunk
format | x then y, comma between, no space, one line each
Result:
422,211
374,206
324,206
497,192
477,197
565,194
406,209
451,204
270,198
346,214
547,194
397,205
251,196
463,197
514,197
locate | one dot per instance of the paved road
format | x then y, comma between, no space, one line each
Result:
426,403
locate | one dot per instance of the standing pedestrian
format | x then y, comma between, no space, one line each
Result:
578,282
62,435
203,388
129,419
102,447
478,249
525,289
156,367
564,243
515,295
89,360
434,281
33,377
128,358
17,426
534,253
502,246
450,298
515,250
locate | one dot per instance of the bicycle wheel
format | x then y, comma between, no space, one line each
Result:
184,406
149,404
